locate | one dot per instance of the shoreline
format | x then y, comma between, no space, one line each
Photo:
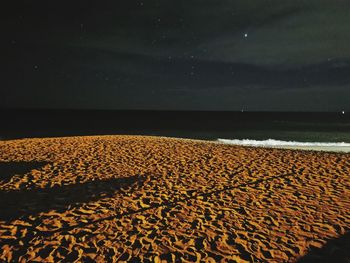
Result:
323,149
338,147
333,149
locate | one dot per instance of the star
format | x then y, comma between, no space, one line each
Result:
245,35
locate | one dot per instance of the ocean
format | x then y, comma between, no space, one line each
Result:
301,130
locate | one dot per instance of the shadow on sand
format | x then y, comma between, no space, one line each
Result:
15,204
167,204
22,203
10,169
336,250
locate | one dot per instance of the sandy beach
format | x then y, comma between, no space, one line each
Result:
124,198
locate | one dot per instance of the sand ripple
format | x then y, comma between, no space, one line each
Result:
115,198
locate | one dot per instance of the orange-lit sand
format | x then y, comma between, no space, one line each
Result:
113,198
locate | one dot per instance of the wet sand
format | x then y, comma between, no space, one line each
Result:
344,149
340,149
115,198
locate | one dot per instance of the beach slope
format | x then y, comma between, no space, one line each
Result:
115,198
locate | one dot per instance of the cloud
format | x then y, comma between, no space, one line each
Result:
123,53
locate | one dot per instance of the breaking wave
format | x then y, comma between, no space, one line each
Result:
274,143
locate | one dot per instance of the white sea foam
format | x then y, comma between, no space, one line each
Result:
272,142
323,146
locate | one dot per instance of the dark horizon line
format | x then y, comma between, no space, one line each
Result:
167,110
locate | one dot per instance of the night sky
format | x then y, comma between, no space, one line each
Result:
255,55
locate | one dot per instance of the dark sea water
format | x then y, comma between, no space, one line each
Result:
284,126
